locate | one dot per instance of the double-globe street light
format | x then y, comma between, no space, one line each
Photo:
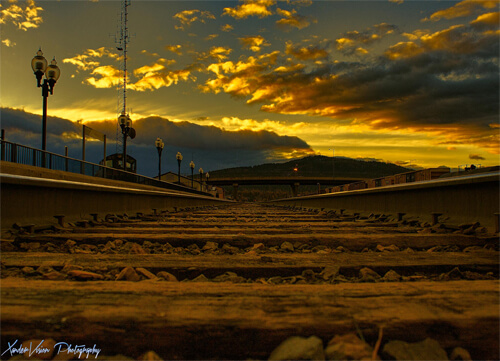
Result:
52,73
178,156
159,146
191,165
127,131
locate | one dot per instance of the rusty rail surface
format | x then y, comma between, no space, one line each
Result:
456,200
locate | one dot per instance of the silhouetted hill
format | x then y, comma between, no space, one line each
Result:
315,166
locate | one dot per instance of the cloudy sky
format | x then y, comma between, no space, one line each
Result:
245,82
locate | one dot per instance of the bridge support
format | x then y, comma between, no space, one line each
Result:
235,191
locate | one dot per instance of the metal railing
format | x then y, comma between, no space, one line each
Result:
21,154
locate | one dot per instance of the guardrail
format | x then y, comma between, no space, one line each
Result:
21,154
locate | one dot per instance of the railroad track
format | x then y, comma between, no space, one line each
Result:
235,282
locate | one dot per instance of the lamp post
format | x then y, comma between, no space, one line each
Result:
206,179
127,131
159,146
52,73
191,165
178,156
201,179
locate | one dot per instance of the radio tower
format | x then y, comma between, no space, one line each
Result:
122,40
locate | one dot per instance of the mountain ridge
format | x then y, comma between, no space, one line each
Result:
315,166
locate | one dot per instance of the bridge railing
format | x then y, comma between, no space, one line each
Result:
21,154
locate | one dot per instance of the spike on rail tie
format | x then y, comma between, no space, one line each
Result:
435,218
60,220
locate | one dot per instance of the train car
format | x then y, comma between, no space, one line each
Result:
337,189
430,174
408,177
356,185
388,181
116,161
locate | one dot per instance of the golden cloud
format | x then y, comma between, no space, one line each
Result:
177,49
109,77
305,53
145,52
241,78
23,19
149,69
292,20
86,60
237,124
154,80
417,34
403,50
382,96
8,43
350,42
227,28
218,53
463,8
258,8
81,62
187,17
487,20
289,68
458,39
211,37
254,43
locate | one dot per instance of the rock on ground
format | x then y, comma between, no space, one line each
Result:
128,274
299,348
427,349
348,347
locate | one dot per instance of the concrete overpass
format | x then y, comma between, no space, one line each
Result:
293,181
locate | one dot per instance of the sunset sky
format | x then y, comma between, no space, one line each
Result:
235,83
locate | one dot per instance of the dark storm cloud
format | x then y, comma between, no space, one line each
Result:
14,120
476,157
446,82
185,134
210,146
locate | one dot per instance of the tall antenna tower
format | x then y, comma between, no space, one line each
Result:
122,39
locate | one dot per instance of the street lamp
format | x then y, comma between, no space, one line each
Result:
159,146
191,165
178,156
206,179
201,179
52,73
127,131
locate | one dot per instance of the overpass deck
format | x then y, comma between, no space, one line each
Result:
283,180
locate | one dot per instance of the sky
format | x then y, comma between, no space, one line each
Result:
238,83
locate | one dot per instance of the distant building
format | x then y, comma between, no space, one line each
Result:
116,161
